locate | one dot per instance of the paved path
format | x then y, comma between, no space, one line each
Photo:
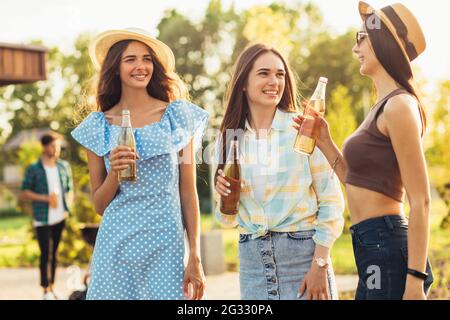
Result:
22,284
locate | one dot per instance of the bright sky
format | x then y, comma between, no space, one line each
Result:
58,22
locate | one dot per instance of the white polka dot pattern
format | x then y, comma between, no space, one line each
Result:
140,244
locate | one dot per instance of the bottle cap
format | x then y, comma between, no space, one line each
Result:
323,79
125,112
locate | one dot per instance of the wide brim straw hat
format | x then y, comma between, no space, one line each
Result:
401,23
104,41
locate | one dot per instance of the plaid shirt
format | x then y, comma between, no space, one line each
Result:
301,193
36,180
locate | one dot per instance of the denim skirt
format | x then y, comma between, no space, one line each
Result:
380,246
273,266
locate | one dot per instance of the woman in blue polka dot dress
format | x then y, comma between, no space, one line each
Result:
139,250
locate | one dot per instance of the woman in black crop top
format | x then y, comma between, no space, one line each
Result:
384,158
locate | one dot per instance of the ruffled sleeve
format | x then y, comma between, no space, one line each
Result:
93,134
187,121
181,122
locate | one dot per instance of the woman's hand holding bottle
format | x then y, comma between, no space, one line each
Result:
319,130
121,157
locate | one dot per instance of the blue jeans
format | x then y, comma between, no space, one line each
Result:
272,267
380,246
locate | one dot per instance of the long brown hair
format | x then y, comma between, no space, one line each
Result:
237,109
391,57
162,85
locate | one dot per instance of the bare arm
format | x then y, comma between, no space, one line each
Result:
189,200
191,215
404,128
328,225
334,156
104,185
33,196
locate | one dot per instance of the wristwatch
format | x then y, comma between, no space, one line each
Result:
321,262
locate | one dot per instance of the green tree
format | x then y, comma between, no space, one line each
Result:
53,103
28,153
186,41
33,105
340,115
199,62
332,58
342,122
438,154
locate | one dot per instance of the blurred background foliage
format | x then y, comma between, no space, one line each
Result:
205,51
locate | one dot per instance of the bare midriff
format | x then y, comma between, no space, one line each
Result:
366,204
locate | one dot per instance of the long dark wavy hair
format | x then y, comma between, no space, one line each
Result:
391,57
235,99
162,85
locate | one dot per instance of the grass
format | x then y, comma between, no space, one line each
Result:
230,241
14,242
342,254
13,224
342,251
230,238
18,250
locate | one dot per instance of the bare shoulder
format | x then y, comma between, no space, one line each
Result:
402,113
113,111
113,115
160,107
401,104
161,103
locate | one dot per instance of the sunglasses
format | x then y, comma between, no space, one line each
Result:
360,36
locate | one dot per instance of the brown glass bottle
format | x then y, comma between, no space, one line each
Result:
230,204
126,138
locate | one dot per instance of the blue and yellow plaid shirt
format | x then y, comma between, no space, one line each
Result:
301,193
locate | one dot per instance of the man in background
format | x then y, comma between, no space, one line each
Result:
48,185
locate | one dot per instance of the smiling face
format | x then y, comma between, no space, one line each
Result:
266,81
136,66
366,55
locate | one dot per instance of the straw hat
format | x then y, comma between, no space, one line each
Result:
402,24
105,40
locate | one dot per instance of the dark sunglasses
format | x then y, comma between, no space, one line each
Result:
360,36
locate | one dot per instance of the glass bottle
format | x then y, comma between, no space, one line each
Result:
304,144
232,170
126,138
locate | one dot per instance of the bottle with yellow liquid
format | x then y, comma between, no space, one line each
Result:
126,138
303,144
232,170
54,199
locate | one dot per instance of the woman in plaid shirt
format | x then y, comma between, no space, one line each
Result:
290,208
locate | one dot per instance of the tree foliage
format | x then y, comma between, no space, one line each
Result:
205,51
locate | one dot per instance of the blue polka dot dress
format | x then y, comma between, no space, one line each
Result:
140,244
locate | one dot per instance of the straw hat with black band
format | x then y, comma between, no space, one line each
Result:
402,24
104,41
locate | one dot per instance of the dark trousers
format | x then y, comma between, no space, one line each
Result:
48,238
380,246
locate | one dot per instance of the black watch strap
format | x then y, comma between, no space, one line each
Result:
417,274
